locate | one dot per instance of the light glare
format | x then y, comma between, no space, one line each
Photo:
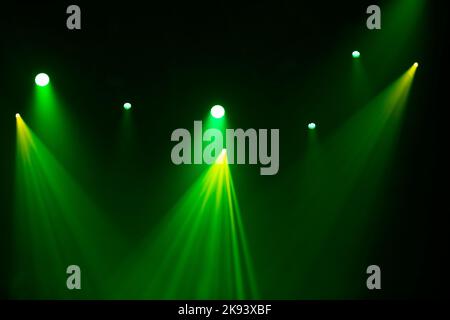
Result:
222,158
356,54
217,111
42,79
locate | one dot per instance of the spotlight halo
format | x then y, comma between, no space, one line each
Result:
42,79
127,106
217,111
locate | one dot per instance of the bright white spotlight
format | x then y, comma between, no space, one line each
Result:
17,115
217,111
42,79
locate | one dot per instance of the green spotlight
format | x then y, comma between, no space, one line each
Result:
42,79
356,54
311,126
127,106
217,111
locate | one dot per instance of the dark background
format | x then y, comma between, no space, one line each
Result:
173,61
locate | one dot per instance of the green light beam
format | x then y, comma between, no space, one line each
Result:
56,225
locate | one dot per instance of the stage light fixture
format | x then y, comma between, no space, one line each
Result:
42,79
416,64
17,115
127,106
356,54
311,126
217,111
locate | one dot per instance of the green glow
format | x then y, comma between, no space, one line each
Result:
42,79
217,111
348,169
406,22
127,106
56,225
360,85
48,115
199,250
126,138
54,123
211,122
317,225
356,54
